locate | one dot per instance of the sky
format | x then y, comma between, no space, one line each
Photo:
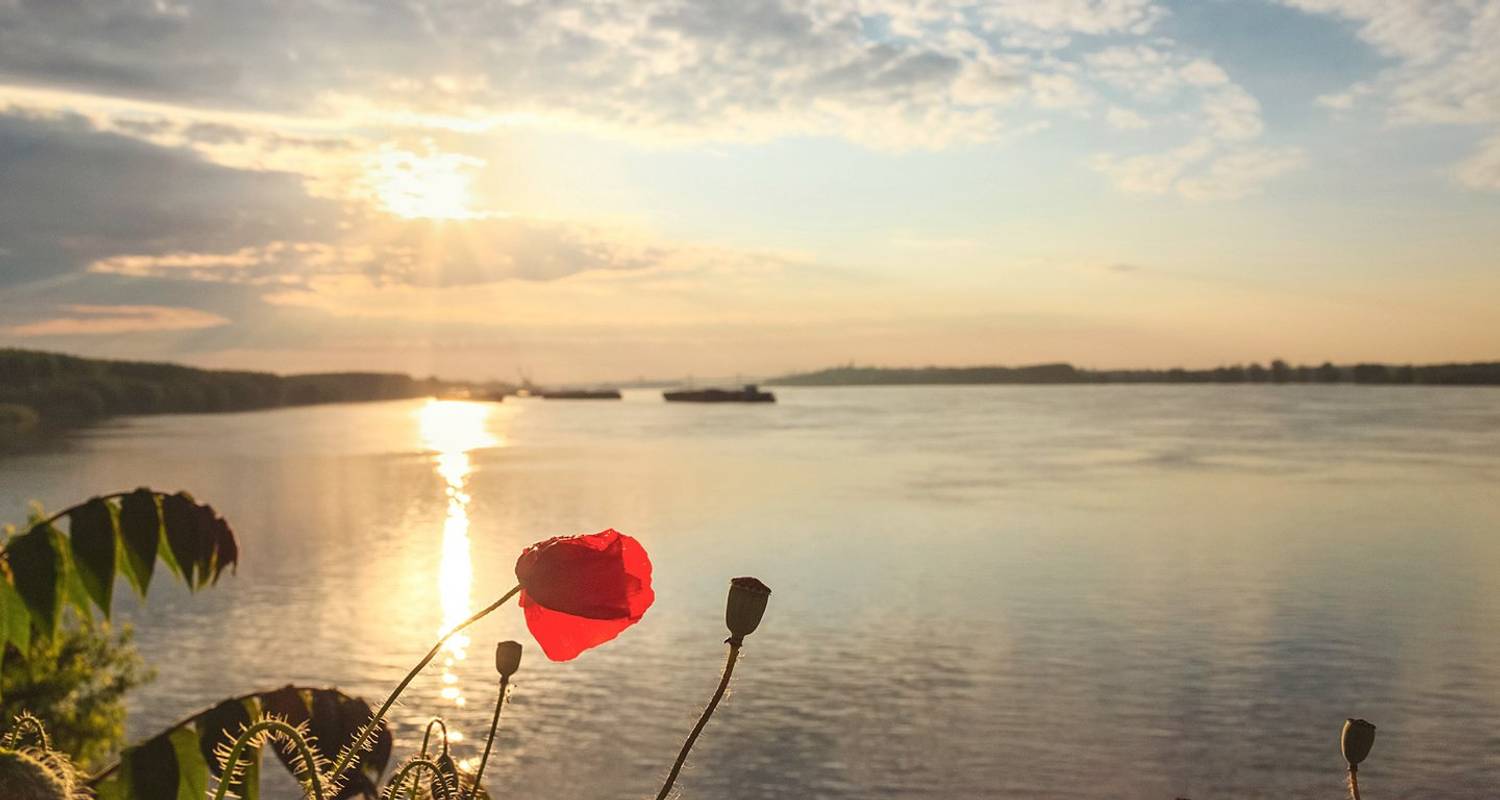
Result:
594,190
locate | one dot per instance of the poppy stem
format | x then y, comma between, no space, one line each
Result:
734,655
494,726
1353,782
348,756
435,722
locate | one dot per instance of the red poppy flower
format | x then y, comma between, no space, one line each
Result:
581,591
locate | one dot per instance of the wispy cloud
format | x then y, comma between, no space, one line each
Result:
87,320
1194,97
1482,170
1446,70
886,74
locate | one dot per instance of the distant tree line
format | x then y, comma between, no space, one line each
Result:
42,392
1476,374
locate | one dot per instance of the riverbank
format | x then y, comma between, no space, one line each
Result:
43,394
1370,374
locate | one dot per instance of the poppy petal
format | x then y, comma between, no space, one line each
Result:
581,591
563,636
605,575
639,595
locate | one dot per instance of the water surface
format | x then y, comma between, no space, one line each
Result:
1029,592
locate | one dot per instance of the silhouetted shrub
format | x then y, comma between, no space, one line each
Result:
17,423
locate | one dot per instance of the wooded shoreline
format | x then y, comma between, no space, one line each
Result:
1456,374
46,393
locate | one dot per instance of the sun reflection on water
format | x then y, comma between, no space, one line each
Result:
452,429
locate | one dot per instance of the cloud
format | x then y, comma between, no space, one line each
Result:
1482,170
1217,119
1125,119
1446,67
1201,170
1347,99
1240,172
74,194
1152,173
1232,114
1424,31
79,198
1073,17
89,320
423,253
886,73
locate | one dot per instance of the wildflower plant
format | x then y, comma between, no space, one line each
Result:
575,592
297,743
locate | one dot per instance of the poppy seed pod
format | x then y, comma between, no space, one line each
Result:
747,603
507,658
1356,741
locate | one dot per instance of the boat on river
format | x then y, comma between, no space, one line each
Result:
581,394
750,393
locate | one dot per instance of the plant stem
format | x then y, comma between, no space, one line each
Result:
281,730
734,654
24,724
414,765
70,509
427,734
346,758
1353,782
112,496
488,743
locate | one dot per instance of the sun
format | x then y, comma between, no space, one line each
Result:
431,185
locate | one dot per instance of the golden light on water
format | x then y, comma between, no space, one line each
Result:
452,429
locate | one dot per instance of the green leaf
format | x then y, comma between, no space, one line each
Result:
111,788
192,539
15,620
178,519
190,536
140,531
201,543
182,758
91,530
149,771
249,785
217,730
334,719
226,549
192,769
74,591
449,769
38,568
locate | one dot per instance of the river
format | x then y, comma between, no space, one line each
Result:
1029,592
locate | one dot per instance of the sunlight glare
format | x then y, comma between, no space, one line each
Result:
424,186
